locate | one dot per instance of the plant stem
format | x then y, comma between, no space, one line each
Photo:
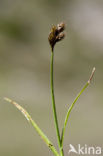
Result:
69,110
39,131
53,103
72,105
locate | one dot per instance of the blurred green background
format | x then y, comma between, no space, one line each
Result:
25,73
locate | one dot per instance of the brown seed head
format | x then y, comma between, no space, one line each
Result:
61,27
56,34
60,37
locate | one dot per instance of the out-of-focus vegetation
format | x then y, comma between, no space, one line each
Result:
24,72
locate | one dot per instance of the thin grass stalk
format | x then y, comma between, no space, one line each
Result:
53,103
72,105
36,127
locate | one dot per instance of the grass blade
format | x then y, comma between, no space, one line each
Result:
72,105
39,131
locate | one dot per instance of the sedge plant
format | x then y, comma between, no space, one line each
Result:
56,34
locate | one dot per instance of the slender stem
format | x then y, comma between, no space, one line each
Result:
39,131
72,105
53,104
69,110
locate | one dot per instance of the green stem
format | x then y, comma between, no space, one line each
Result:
53,104
72,105
68,113
39,131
